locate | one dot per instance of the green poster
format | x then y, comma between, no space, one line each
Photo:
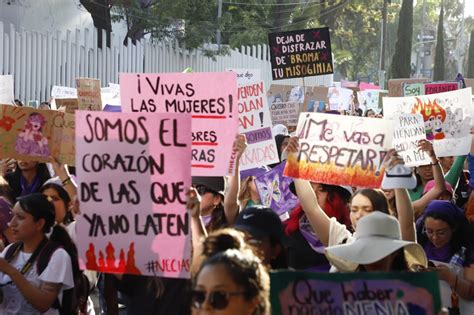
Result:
295,293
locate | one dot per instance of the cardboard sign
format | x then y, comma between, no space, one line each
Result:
63,92
209,97
340,98
413,89
395,86
274,190
362,293
447,118
64,138
88,94
298,54
340,150
285,113
408,130
70,104
26,133
247,76
134,173
6,89
256,123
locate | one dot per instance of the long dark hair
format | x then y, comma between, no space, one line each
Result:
218,219
447,212
65,198
39,207
227,247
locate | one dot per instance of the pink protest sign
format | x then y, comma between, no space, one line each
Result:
209,97
368,86
440,87
133,171
255,122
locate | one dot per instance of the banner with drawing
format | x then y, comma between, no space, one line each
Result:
134,173
340,98
340,150
26,133
274,190
447,118
362,293
33,135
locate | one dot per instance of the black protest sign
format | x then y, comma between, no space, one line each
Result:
298,54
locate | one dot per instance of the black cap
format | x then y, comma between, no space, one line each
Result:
260,222
216,184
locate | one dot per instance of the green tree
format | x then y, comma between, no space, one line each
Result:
470,67
401,66
438,74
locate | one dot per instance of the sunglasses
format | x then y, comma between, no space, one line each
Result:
218,300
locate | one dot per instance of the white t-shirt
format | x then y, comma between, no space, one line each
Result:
58,270
339,234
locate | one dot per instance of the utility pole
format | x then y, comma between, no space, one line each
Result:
383,37
460,43
219,15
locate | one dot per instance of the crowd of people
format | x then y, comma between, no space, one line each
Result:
236,241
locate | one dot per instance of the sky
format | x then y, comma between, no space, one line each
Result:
469,9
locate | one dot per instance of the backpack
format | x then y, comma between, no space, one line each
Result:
74,300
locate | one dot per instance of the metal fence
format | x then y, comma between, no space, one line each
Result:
39,61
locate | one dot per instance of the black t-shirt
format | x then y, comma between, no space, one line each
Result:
300,254
141,291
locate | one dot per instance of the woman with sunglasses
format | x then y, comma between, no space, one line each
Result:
444,233
231,280
24,289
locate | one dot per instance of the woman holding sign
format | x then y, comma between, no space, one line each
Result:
330,232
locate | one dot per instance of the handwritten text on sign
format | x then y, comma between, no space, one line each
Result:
134,172
256,123
340,150
447,118
285,113
409,129
297,54
209,97
354,293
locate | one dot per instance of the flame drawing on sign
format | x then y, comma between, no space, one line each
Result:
434,116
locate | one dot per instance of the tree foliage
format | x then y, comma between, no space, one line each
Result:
401,66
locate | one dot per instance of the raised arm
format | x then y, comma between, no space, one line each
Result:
231,198
420,204
318,219
62,172
198,230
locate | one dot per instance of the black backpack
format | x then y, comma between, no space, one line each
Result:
75,299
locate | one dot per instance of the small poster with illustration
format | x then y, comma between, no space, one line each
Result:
26,133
